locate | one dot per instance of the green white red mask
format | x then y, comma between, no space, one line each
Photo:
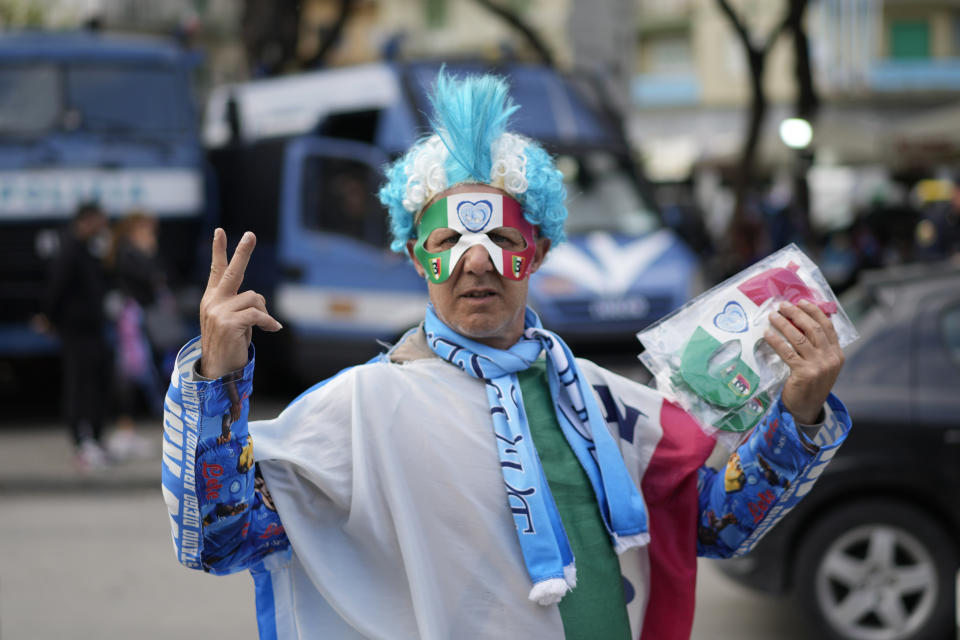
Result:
474,215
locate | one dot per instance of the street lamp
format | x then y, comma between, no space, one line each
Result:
796,133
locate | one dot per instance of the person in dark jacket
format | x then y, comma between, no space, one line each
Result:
76,290
141,282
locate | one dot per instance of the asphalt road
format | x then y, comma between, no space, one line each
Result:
101,567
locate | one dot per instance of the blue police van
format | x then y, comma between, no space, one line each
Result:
298,160
86,116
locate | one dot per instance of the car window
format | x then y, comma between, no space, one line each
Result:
950,332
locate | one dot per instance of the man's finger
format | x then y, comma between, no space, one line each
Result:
822,319
781,346
254,317
796,339
804,323
218,262
233,275
246,299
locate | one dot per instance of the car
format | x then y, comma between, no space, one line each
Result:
872,552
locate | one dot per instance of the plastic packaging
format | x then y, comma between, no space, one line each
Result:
709,356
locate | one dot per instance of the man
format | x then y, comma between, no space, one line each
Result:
74,305
476,481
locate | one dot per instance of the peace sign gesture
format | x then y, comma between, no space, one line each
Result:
227,317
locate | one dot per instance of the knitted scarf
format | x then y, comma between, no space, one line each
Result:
546,551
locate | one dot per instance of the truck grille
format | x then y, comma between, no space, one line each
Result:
22,271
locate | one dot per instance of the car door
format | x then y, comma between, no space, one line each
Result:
935,353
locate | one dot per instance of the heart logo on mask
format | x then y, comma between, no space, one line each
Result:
733,319
474,215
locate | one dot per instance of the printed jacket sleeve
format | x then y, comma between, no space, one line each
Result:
221,516
763,479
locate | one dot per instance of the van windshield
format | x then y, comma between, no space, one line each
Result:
39,98
602,197
126,99
30,99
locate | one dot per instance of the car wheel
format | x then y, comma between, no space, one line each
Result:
878,570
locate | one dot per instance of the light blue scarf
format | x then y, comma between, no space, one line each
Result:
546,550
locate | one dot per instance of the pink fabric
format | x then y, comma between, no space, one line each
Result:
670,489
131,345
784,283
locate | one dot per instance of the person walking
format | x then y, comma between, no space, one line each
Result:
76,291
140,282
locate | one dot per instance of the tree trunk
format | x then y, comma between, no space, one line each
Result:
807,105
329,39
743,234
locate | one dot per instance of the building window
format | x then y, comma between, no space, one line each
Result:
956,37
909,39
436,12
667,53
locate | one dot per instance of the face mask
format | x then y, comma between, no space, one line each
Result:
476,217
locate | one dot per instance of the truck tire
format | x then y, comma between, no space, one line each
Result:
878,570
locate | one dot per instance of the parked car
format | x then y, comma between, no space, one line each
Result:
872,553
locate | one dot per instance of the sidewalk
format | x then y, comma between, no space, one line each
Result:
38,458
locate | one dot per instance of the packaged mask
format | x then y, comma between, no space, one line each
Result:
710,357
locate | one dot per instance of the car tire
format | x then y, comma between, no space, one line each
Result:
878,570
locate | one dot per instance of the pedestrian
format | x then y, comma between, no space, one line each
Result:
76,288
140,282
476,480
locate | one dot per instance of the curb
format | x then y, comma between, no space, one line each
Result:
78,485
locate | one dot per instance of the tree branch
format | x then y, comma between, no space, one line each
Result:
515,21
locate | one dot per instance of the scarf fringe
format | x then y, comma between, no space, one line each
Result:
570,575
625,543
549,591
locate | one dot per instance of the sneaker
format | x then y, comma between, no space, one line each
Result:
90,456
127,444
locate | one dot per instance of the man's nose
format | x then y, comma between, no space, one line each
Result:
477,260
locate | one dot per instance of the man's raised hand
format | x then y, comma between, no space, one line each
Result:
227,317
809,345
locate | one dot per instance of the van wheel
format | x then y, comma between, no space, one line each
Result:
878,570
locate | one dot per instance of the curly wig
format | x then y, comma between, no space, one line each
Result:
470,143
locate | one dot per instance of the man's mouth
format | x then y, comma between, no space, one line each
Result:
479,294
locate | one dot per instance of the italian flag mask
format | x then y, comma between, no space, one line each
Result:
475,216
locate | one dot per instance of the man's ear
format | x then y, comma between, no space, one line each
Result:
543,246
413,257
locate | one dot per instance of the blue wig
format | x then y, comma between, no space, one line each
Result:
471,143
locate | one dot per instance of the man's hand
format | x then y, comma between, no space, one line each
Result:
812,351
227,318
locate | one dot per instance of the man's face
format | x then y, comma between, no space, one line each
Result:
475,300
91,225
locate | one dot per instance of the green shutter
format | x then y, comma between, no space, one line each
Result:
909,39
436,12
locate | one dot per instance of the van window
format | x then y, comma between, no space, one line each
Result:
126,99
340,197
950,328
602,197
29,99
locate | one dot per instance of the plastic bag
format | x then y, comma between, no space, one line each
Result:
709,356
